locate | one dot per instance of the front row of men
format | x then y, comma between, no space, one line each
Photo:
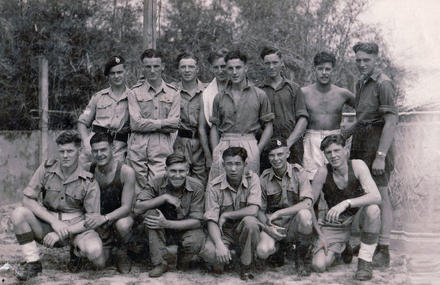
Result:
255,218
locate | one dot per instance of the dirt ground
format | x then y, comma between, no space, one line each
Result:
55,272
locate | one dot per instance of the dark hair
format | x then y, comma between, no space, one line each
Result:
236,54
234,151
150,53
184,55
101,137
269,50
221,53
69,137
323,57
332,139
368,47
175,158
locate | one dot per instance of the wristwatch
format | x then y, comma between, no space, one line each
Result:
349,203
381,154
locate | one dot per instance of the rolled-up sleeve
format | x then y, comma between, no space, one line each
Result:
305,189
88,115
386,98
300,105
266,114
212,207
147,193
254,197
33,189
197,205
92,200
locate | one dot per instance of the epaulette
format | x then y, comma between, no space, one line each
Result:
103,91
266,172
217,180
297,167
87,175
248,174
49,163
194,183
172,86
293,84
138,84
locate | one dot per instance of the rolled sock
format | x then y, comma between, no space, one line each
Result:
366,251
31,252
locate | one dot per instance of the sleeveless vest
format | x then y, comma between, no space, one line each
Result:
111,194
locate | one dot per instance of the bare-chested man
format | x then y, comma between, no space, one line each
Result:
324,102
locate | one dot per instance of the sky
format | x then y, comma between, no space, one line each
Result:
411,30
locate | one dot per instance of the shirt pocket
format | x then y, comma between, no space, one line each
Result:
165,107
227,204
52,195
75,195
104,109
273,197
194,110
292,194
146,105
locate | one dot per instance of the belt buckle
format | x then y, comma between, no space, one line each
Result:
112,133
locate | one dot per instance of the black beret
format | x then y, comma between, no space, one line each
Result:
115,60
275,143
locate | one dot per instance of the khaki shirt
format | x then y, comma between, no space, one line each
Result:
77,193
221,197
190,105
191,202
106,110
282,192
150,109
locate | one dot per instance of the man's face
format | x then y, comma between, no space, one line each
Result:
323,73
152,67
236,70
278,157
234,167
116,75
336,155
102,153
365,63
177,173
188,69
68,154
273,65
218,67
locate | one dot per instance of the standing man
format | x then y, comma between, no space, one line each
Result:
373,134
154,116
239,113
116,181
107,112
190,89
232,201
287,102
348,189
218,68
172,206
287,201
69,196
324,102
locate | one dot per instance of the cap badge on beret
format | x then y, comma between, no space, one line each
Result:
117,60
279,143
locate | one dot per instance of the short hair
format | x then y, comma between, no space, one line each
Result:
150,53
332,139
184,55
101,137
236,54
323,57
234,151
270,50
69,137
367,47
221,53
175,158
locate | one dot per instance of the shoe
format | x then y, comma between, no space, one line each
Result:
29,270
123,262
158,270
75,263
364,271
381,257
245,273
347,254
355,250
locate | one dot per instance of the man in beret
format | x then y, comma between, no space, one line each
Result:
107,112
286,205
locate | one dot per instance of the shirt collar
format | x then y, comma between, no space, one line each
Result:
225,184
79,172
247,85
167,185
200,87
284,81
288,172
162,87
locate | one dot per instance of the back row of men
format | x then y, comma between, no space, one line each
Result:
166,128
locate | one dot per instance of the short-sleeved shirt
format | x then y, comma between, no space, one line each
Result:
221,197
288,105
150,109
374,98
282,192
190,105
192,200
107,110
77,193
245,116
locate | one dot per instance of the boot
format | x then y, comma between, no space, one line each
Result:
364,271
303,260
29,270
245,272
347,254
381,257
158,270
123,262
75,263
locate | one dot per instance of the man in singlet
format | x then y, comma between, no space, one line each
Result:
349,190
116,181
324,103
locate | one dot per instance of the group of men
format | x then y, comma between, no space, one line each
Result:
181,162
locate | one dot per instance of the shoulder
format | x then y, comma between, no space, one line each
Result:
138,84
194,184
292,84
127,171
297,168
171,87
306,90
382,78
359,166
103,92
321,173
341,91
87,176
266,173
252,177
50,163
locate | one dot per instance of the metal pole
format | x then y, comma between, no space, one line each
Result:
149,31
43,80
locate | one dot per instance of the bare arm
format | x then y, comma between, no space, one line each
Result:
265,136
385,141
143,206
298,131
39,211
187,224
350,99
214,137
84,132
128,180
292,210
251,210
203,135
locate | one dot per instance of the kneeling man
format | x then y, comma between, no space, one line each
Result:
172,206
232,201
69,195
348,189
116,181
286,204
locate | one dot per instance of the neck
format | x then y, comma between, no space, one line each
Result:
342,169
324,88
280,171
67,171
234,182
118,89
106,168
239,86
221,84
155,83
275,81
189,85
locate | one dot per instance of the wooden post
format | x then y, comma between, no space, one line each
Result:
43,81
149,31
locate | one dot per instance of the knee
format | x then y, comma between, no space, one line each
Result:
194,242
319,265
20,215
372,212
93,249
208,252
305,218
250,223
265,250
124,225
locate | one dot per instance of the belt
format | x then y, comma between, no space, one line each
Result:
123,137
66,216
187,134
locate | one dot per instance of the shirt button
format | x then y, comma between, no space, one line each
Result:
155,108
62,198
